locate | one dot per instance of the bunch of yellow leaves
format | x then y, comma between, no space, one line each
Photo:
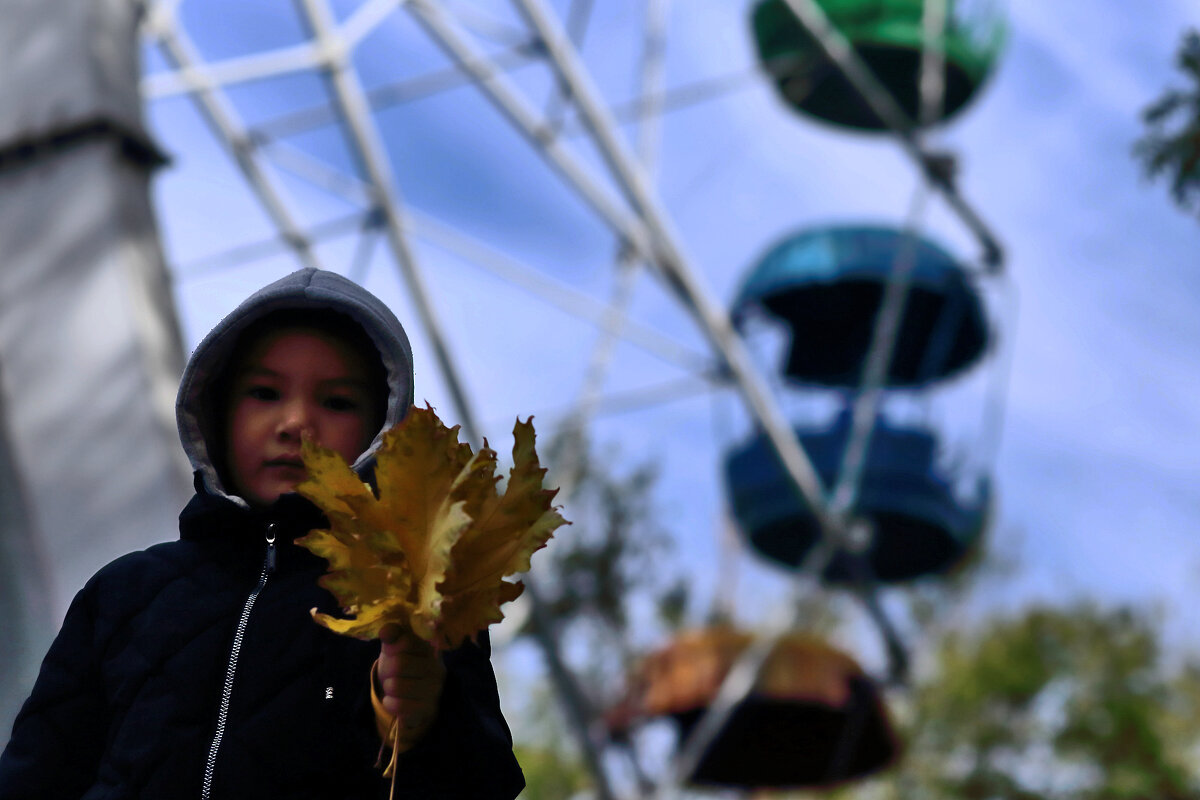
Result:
430,552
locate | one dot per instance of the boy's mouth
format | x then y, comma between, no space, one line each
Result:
291,462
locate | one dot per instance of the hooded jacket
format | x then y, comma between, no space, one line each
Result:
193,669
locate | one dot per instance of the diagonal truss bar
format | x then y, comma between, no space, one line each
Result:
864,413
651,77
716,324
877,362
579,13
351,100
713,319
368,145
313,170
573,302
367,18
388,95
654,51
843,494
510,103
197,78
483,256
628,266
627,262
264,248
932,86
881,102
483,23
220,115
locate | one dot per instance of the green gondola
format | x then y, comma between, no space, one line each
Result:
889,36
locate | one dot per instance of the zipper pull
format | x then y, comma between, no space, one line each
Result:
271,528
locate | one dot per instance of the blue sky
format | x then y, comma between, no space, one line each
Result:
1097,469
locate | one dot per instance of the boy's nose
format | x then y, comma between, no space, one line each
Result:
295,420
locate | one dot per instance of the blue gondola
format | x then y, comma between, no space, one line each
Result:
921,526
826,285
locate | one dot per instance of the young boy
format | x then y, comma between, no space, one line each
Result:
193,668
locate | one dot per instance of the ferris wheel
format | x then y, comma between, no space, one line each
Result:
356,133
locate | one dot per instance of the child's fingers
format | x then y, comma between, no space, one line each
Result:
408,657
394,643
412,698
411,677
420,667
410,718
422,687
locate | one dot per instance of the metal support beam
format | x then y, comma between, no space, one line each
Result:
264,248
509,102
653,80
932,86
578,14
224,121
260,66
627,262
369,147
715,322
569,300
713,319
352,102
477,253
319,173
365,19
659,249
385,96
877,363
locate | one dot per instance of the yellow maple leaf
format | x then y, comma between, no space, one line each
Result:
431,550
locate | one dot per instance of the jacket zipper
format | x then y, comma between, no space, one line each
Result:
268,569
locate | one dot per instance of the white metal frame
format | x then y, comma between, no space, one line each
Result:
643,228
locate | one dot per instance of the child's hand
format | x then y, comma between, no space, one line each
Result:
411,676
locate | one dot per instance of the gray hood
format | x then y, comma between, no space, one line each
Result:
306,288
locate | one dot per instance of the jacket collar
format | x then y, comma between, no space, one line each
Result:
214,518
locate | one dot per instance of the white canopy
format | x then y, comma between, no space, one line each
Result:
90,350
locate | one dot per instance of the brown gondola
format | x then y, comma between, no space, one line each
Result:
814,718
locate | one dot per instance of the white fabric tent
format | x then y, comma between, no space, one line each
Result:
90,350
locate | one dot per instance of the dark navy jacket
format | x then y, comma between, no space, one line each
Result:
127,701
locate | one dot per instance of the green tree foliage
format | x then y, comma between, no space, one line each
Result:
1171,143
1075,703
1054,704
550,773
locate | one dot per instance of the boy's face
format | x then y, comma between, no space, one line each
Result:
291,383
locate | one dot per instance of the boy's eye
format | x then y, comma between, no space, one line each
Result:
262,393
340,403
